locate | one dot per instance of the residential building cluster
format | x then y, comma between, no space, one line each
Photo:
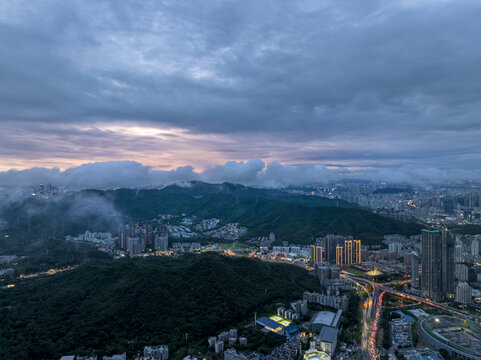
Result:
334,301
47,190
231,232
401,333
290,350
290,251
8,272
232,354
420,354
207,224
5,259
218,343
135,238
102,238
263,241
341,250
326,271
182,231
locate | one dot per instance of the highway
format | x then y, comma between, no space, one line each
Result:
366,318
372,312
384,287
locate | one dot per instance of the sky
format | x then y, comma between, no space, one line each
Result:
258,92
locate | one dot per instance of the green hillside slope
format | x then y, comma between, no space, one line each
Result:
104,305
290,220
294,218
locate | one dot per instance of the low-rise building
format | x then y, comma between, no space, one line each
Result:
159,352
116,357
326,340
334,301
401,333
325,318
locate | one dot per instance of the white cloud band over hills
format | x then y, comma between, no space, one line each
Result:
254,172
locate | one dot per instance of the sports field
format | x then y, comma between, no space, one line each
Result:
280,320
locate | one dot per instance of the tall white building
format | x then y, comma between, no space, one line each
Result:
134,245
395,247
475,248
461,272
464,293
212,340
161,243
219,346
458,253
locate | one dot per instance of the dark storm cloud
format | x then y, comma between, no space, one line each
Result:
378,83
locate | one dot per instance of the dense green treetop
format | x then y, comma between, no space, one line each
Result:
103,305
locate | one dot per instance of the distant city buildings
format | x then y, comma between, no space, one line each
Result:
8,272
135,238
101,238
161,242
135,246
438,205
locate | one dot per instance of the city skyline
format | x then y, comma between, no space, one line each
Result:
344,90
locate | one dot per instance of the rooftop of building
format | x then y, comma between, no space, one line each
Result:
269,323
328,334
323,317
316,355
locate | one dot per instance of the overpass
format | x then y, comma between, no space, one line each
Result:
384,287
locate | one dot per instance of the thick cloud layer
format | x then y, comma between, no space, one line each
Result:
253,173
373,83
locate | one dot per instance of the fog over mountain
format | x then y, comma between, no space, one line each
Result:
254,172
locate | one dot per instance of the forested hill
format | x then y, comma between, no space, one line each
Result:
293,218
105,304
198,189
